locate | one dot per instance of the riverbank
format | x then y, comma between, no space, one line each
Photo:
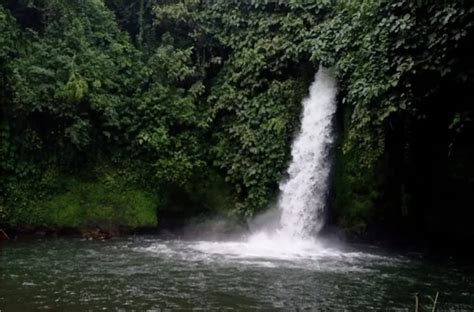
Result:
205,227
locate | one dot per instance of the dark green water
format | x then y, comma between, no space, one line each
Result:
150,274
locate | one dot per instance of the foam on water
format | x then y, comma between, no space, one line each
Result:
265,246
267,252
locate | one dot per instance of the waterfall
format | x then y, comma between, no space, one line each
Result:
304,193
288,231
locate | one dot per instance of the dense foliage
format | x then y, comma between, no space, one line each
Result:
408,114
200,99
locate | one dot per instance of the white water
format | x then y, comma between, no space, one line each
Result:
303,195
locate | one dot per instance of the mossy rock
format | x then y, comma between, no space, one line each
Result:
356,192
102,200
90,204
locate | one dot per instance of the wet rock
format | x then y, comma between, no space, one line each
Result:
3,235
100,233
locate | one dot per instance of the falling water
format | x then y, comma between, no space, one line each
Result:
287,231
300,208
303,194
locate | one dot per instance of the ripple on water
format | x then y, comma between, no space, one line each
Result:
264,273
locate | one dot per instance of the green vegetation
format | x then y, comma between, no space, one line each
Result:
102,198
199,101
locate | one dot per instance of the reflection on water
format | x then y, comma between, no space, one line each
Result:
148,273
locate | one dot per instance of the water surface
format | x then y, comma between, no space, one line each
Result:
149,273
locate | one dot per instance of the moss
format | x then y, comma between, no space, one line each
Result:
353,203
61,210
102,197
357,192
